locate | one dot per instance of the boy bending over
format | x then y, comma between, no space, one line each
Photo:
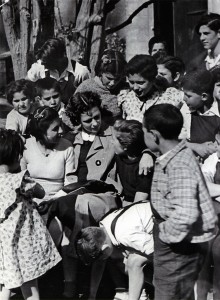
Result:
129,230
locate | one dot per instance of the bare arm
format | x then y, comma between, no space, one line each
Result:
97,271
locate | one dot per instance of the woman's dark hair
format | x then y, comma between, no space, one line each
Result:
157,40
200,81
113,62
39,122
210,20
142,64
21,85
173,63
165,118
51,51
130,136
81,103
11,146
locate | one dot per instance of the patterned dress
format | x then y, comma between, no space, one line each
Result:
26,247
133,108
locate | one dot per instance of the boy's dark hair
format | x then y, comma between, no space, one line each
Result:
199,82
142,64
39,122
130,136
52,50
11,146
166,119
47,83
173,63
157,40
216,74
113,62
21,85
89,244
81,103
211,20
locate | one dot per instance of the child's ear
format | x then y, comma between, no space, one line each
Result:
205,97
177,76
37,99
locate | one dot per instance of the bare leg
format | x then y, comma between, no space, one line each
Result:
70,265
4,293
30,290
136,264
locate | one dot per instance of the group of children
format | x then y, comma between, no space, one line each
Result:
167,221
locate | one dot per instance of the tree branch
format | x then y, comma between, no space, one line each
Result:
130,18
110,6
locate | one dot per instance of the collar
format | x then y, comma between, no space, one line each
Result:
213,111
65,75
164,159
211,61
88,137
97,140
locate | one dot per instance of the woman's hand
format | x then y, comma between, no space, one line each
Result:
146,164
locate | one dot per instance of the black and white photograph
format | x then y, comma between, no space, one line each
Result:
110,149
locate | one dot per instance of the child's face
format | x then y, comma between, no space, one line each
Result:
108,80
208,37
51,98
139,84
165,73
194,101
119,149
21,103
216,92
54,131
158,47
149,139
91,120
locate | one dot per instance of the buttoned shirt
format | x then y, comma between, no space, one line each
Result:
187,117
180,198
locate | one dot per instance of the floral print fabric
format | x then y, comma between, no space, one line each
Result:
26,247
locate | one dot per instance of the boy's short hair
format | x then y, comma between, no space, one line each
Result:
211,20
216,74
80,103
52,50
165,118
130,136
11,146
157,40
142,64
89,244
21,85
173,63
199,82
47,83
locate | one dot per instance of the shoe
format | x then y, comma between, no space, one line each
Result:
69,289
121,294
143,295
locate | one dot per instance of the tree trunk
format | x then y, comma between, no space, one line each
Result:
98,34
18,45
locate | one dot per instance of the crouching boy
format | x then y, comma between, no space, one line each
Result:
184,218
128,229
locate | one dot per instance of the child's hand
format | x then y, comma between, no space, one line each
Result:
146,164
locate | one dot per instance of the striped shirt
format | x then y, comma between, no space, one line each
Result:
180,198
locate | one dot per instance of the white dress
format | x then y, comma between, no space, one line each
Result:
26,247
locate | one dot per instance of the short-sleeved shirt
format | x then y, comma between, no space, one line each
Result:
131,181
